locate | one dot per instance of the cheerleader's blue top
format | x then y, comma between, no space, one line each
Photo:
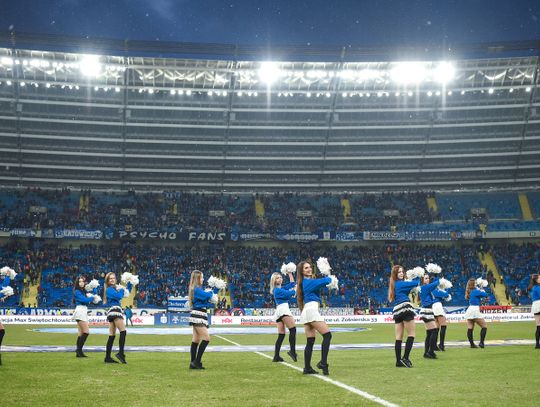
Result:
535,293
402,289
82,299
201,298
4,284
426,299
476,295
114,296
284,294
439,295
312,288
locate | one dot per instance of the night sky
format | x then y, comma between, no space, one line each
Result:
277,22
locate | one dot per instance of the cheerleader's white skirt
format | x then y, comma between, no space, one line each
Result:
310,313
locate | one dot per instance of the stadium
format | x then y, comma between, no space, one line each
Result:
160,159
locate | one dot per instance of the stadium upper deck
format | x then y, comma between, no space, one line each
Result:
145,123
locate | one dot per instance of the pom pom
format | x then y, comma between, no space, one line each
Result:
288,268
127,277
214,299
444,284
7,291
449,298
8,271
126,292
480,282
416,272
217,283
433,268
96,299
89,295
91,285
324,266
334,284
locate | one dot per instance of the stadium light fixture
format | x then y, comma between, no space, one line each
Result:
528,89
255,94
210,93
7,61
8,83
151,91
269,72
438,93
397,94
379,94
490,91
188,92
23,84
117,89
47,85
344,94
462,92
240,94
511,90
430,93
327,94
449,93
408,72
410,93
308,94
444,72
90,65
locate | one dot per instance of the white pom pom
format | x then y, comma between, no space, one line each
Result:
449,298
444,284
433,268
134,280
8,271
334,284
480,282
410,274
91,285
324,266
214,299
126,277
419,271
217,283
126,293
89,295
96,299
7,291
288,268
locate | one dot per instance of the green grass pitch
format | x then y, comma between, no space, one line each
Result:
496,375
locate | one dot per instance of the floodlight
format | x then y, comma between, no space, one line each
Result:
90,65
444,72
408,72
269,72
528,89
490,91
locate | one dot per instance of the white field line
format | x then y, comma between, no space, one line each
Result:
337,383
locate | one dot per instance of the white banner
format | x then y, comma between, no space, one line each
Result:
362,319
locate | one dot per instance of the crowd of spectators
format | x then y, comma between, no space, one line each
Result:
283,212
164,270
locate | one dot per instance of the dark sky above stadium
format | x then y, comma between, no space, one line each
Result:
280,22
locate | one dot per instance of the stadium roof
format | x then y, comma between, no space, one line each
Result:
148,123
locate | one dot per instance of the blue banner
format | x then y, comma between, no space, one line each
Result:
349,236
177,318
22,232
298,237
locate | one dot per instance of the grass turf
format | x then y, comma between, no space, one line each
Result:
461,376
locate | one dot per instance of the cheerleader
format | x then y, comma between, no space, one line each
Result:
112,295
82,299
308,298
283,315
474,293
426,315
6,275
403,311
440,294
534,289
199,301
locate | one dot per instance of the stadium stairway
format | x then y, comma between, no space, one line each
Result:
525,207
432,204
500,288
346,205
30,297
259,208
